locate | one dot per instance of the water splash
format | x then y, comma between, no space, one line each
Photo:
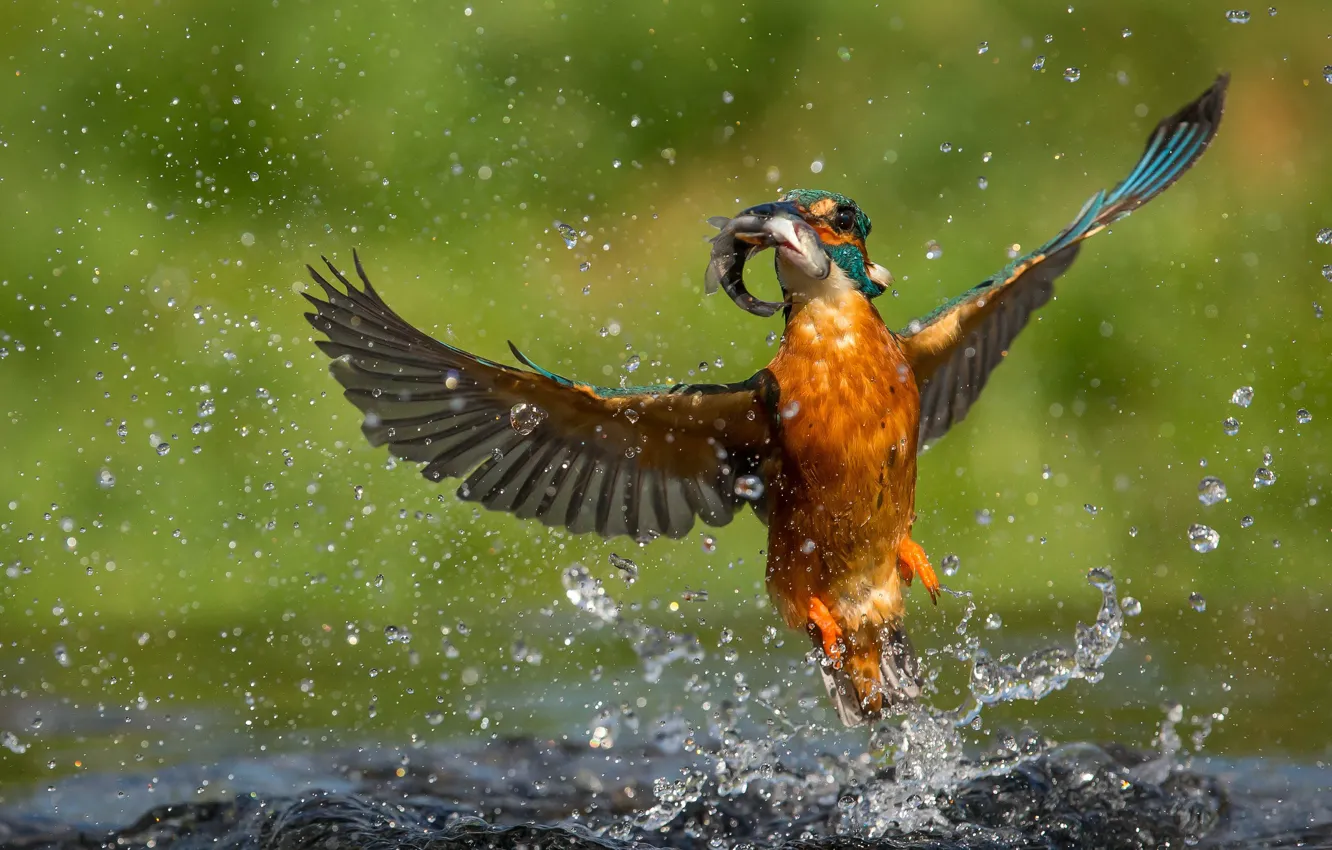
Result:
1041,673
655,647
909,780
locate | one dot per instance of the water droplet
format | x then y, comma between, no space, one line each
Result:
808,546
1230,425
1211,490
163,449
1246,521
993,621
11,742
749,487
1127,32
1324,236
1327,271
1130,606
1238,16
816,166
694,595
524,418
62,655
983,48
627,567
1242,396
106,479
725,637
357,492
434,718
933,250
1196,602
1039,64
982,182
1327,73
727,97
946,147
1303,416
393,634
1072,75
844,53
791,409
1091,509
950,565
1263,477
1202,538
987,156
584,266
567,233
632,364
709,544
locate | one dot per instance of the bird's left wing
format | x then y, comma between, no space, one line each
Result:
640,462
953,350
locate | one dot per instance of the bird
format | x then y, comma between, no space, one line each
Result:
821,444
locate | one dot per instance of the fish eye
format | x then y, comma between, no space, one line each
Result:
844,218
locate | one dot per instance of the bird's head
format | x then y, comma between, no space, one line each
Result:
819,238
842,227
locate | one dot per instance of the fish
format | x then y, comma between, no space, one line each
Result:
753,231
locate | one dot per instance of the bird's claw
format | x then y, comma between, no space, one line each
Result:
911,562
830,634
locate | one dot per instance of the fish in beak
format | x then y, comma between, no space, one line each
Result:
775,225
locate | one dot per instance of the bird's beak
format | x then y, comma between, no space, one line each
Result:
777,225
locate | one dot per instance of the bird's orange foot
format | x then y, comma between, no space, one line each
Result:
912,561
829,632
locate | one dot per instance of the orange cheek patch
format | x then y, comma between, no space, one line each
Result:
831,237
823,207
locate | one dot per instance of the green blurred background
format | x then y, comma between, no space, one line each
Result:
188,571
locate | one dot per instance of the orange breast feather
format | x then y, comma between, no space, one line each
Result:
846,489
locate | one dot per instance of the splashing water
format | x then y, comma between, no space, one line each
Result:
655,647
925,748
1045,671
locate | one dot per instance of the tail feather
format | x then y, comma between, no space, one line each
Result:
879,675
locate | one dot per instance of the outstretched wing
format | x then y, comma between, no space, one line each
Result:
641,462
953,350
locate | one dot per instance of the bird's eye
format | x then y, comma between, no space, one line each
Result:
844,218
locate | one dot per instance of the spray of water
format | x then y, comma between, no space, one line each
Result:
910,769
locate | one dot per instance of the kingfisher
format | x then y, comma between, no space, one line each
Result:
821,444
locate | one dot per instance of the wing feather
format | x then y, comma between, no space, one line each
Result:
642,461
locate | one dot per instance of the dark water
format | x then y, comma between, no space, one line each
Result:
527,793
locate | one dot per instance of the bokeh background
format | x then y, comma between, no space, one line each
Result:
199,555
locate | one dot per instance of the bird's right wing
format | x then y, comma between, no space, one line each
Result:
640,462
